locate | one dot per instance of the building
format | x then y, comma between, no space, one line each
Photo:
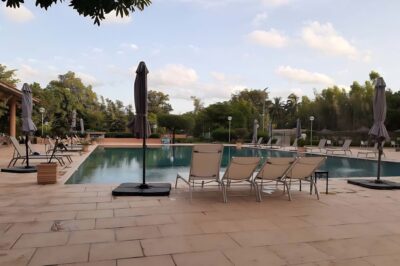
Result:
11,96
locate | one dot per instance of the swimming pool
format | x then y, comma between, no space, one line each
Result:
118,165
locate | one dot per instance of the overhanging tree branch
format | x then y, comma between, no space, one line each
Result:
95,9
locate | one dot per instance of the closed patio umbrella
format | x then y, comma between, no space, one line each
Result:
73,121
270,132
141,129
255,129
298,128
82,126
380,134
28,127
378,130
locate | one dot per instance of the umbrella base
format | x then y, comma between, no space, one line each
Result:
373,184
137,189
20,170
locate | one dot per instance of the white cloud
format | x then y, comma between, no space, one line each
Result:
181,82
271,38
222,3
304,76
259,19
97,50
133,46
20,15
324,38
88,79
174,76
112,18
275,2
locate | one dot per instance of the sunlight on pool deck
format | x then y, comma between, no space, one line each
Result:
85,225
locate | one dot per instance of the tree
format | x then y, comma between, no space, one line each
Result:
198,105
255,97
8,76
174,123
158,103
94,9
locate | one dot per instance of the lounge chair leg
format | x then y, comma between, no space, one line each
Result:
258,191
316,189
288,191
223,192
202,184
300,185
176,181
190,193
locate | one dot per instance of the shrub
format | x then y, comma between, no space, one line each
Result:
119,135
240,133
154,136
220,134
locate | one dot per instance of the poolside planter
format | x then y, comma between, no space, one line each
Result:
46,173
85,148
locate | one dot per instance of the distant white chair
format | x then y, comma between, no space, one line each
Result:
363,143
320,147
393,144
344,149
374,151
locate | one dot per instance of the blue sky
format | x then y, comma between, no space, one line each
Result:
207,48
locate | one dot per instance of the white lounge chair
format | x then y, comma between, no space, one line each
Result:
273,170
240,170
344,149
20,154
294,146
374,151
303,169
205,166
320,147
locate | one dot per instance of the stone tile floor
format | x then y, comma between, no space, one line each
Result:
84,225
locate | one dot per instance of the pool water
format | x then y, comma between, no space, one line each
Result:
118,165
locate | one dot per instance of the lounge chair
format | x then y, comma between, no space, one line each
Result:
320,147
273,170
303,169
240,170
62,147
205,166
374,151
258,144
34,152
275,145
20,154
293,147
344,149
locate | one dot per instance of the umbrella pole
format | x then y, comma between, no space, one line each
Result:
378,178
144,151
26,149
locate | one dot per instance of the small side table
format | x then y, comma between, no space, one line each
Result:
324,174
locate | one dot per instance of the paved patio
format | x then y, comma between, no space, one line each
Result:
85,225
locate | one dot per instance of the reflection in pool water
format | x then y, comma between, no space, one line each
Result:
117,165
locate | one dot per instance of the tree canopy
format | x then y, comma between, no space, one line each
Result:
95,9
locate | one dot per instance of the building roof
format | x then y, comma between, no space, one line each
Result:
7,91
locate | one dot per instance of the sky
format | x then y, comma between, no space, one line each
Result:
208,48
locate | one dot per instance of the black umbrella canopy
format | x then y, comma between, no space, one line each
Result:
378,130
141,106
28,126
